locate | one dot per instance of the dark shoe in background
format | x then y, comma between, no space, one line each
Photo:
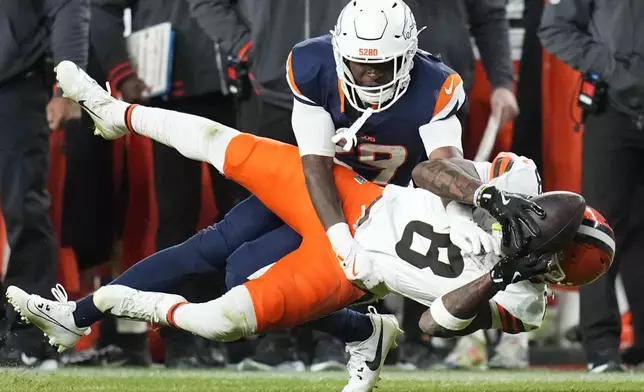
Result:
274,352
330,354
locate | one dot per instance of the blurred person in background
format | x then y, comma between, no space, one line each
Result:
259,34
450,26
602,39
199,87
527,132
29,31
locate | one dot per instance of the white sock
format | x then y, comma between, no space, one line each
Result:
227,318
194,137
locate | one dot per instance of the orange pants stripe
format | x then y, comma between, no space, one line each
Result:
309,282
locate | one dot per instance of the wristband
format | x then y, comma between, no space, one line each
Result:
445,319
480,196
340,238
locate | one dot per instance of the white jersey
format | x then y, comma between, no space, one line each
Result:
408,233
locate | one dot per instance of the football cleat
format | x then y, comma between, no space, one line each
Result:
470,352
511,352
329,355
107,112
123,301
368,357
54,318
275,352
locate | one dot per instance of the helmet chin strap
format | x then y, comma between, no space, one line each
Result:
349,135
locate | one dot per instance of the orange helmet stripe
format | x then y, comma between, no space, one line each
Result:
502,164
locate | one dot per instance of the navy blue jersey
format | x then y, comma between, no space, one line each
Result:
389,143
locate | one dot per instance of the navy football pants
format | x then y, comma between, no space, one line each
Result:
249,238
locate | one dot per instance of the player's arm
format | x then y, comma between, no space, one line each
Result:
318,172
468,308
447,174
460,312
314,129
454,178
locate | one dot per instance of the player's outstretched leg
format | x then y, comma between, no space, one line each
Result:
270,170
227,318
194,137
64,322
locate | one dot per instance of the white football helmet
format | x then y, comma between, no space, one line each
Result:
375,31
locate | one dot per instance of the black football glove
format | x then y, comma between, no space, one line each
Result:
516,269
510,209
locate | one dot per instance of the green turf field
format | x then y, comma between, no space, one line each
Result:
208,381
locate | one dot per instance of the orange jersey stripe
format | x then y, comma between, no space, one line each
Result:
341,93
504,318
510,323
446,92
291,76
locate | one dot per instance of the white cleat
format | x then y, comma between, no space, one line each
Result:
368,357
470,352
107,112
54,318
123,301
511,352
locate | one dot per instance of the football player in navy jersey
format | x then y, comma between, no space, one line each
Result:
366,98
390,107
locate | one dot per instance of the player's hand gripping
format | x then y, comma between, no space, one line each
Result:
516,269
356,262
472,239
511,210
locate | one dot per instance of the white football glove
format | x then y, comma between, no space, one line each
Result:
466,234
473,240
356,262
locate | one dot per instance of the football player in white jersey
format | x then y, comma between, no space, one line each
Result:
413,229
465,290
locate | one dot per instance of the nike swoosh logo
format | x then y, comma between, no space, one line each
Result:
375,364
82,103
517,274
449,90
504,200
47,317
353,270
